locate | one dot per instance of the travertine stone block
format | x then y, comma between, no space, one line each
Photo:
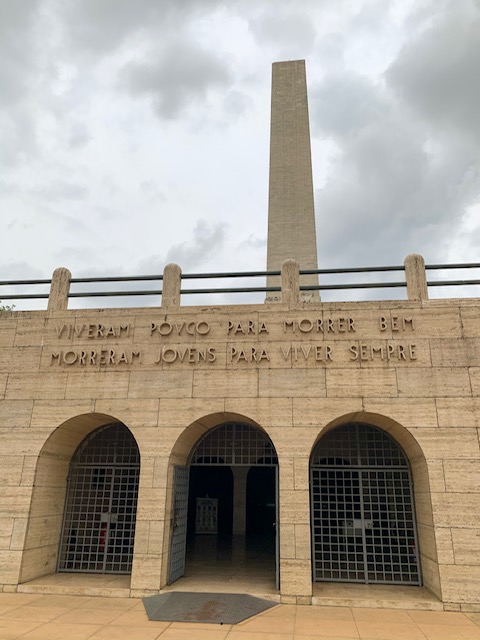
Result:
429,477
301,470
462,475
293,442
142,531
36,386
466,547
133,412
10,470
427,544
15,501
160,472
156,536
286,473
3,384
287,541
319,412
264,411
408,412
150,444
471,321
10,567
191,410
429,383
284,383
15,359
456,509
296,577
6,529
30,330
442,443
294,507
52,413
103,385
455,352
226,384
475,380
18,533
460,584
431,576
458,412
302,542
38,562
146,572
8,327
444,543
363,383
160,384
15,413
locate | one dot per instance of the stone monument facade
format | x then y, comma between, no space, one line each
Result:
354,427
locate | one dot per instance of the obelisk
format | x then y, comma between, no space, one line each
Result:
291,214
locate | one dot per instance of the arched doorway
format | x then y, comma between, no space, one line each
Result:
215,496
101,501
362,509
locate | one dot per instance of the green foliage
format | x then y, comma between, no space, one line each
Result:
6,307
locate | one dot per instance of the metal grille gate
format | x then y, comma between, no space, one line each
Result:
101,503
363,517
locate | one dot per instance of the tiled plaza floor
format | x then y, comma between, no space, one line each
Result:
62,617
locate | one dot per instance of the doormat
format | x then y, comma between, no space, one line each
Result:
220,608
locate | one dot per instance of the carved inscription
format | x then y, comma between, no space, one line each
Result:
390,351
94,330
319,325
194,355
85,357
339,330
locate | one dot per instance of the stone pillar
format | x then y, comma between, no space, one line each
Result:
291,215
239,500
59,290
416,278
172,280
290,283
295,553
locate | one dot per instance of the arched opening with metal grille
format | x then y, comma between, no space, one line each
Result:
101,503
217,499
362,509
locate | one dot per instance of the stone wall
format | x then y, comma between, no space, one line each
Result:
293,369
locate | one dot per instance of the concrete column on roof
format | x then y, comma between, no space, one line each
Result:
59,290
172,279
416,278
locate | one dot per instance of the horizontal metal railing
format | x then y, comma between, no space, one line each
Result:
158,278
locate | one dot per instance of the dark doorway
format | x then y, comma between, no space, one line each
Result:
261,514
211,482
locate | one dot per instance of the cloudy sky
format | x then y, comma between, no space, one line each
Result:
136,132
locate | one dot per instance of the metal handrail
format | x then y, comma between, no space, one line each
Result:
239,274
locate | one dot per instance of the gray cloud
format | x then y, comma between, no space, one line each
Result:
96,27
207,240
407,165
438,72
182,74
